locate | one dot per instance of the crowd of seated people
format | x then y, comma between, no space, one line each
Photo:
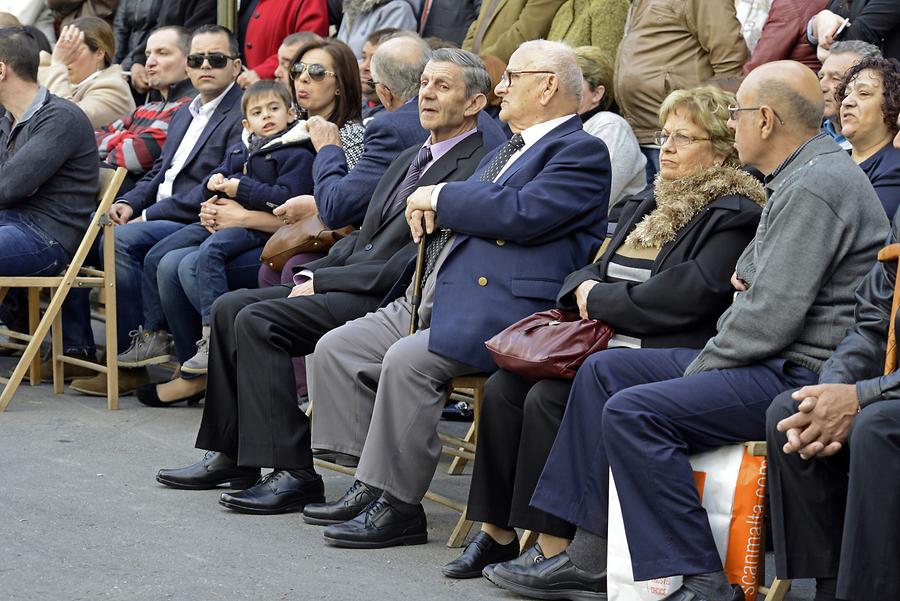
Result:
712,184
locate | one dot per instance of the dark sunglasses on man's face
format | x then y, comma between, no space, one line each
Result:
316,71
216,60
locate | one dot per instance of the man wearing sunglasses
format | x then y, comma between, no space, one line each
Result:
167,197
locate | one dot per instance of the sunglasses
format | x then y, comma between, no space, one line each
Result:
216,60
316,71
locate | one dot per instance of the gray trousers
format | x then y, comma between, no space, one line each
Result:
378,394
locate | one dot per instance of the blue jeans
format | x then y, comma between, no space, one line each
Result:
214,251
180,291
133,241
25,249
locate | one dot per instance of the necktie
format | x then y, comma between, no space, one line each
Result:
410,182
439,241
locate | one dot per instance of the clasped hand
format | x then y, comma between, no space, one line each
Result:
823,420
223,185
421,218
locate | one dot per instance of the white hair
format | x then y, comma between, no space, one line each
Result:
558,57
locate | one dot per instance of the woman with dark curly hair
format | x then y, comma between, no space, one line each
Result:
870,102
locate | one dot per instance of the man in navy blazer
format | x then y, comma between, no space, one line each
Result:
251,421
501,244
167,197
342,194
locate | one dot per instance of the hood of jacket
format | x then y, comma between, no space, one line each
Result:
679,201
295,134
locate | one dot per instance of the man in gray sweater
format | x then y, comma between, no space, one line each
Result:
818,235
48,170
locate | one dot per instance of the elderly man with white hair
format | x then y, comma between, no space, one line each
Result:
498,248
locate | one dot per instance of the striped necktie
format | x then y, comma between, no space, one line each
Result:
439,240
410,182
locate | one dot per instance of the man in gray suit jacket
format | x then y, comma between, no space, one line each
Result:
251,418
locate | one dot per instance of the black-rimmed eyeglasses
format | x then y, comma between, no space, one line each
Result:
507,77
734,110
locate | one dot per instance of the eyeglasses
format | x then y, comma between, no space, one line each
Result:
316,71
734,110
216,60
680,140
507,77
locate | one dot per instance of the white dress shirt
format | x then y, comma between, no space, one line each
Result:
530,136
201,114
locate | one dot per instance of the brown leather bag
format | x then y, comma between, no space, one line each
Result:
548,344
307,236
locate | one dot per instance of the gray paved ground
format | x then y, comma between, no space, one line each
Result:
81,517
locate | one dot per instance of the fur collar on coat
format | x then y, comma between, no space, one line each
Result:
677,202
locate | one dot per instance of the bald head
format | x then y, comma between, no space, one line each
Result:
398,64
792,90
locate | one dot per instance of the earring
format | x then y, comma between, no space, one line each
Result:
337,92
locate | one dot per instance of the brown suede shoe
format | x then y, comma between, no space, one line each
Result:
129,380
70,372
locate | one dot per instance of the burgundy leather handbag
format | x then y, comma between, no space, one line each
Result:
548,344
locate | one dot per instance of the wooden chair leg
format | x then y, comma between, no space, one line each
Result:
34,318
59,382
459,464
529,538
112,330
460,531
779,590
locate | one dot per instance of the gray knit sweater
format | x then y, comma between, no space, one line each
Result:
49,167
819,234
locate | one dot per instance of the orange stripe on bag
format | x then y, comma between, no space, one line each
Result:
700,481
745,538
745,535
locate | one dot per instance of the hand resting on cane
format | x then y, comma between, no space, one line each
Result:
421,218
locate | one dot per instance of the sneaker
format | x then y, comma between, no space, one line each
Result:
147,348
198,363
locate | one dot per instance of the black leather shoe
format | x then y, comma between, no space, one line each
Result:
276,492
146,394
211,471
458,412
381,525
533,575
481,552
354,502
682,594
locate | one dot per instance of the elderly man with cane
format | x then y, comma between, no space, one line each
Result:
501,244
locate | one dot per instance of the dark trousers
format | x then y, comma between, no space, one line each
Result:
519,421
634,413
251,408
839,516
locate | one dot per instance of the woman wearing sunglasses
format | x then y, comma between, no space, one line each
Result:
81,70
325,80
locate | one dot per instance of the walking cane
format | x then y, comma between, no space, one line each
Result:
416,299
887,254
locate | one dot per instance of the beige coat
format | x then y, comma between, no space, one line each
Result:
504,24
671,45
104,99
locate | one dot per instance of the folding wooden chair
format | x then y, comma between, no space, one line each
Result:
75,275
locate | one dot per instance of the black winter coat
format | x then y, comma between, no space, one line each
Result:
689,286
